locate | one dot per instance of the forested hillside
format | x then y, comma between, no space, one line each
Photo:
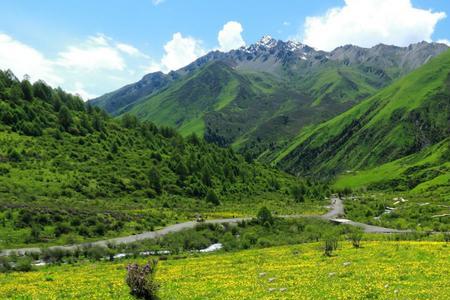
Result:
90,175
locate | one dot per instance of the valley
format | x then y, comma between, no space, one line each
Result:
150,151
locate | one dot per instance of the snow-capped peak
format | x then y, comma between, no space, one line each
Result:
293,46
267,41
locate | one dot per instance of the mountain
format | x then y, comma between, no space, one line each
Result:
84,151
67,168
258,98
396,138
126,95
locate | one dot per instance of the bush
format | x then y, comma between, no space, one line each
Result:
447,237
212,198
54,255
24,264
5,264
298,192
265,217
355,237
330,243
96,252
141,280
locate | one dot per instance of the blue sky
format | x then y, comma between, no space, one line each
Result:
92,47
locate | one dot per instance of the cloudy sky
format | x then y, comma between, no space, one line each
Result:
94,47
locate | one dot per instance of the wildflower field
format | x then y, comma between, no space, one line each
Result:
378,270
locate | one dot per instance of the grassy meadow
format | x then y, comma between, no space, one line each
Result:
378,270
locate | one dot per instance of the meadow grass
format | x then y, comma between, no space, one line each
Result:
378,270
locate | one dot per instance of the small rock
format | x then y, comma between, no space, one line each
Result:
386,286
271,290
396,291
283,289
331,274
262,274
271,279
347,263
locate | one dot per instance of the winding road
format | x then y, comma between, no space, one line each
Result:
333,215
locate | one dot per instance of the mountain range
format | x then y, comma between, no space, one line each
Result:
258,98
310,112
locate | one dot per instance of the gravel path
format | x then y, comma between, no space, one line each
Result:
336,211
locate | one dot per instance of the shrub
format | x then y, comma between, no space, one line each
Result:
54,255
212,198
264,217
96,252
5,264
298,192
355,237
141,280
447,237
24,264
330,243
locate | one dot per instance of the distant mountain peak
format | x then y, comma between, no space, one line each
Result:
293,45
267,41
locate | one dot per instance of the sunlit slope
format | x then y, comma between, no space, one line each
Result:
425,172
184,104
402,119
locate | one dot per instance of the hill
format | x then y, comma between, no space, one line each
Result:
396,138
69,172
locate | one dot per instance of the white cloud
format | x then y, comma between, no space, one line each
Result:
444,41
180,51
369,22
152,67
23,59
157,2
128,49
96,66
230,36
99,39
81,91
96,54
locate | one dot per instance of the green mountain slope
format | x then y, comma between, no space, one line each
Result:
117,100
255,111
184,104
425,172
258,98
68,172
403,119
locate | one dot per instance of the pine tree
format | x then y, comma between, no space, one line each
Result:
212,198
27,90
65,118
155,180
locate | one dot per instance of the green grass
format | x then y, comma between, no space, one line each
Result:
195,126
378,270
184,104
400,210
227,95
421,172
402,119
